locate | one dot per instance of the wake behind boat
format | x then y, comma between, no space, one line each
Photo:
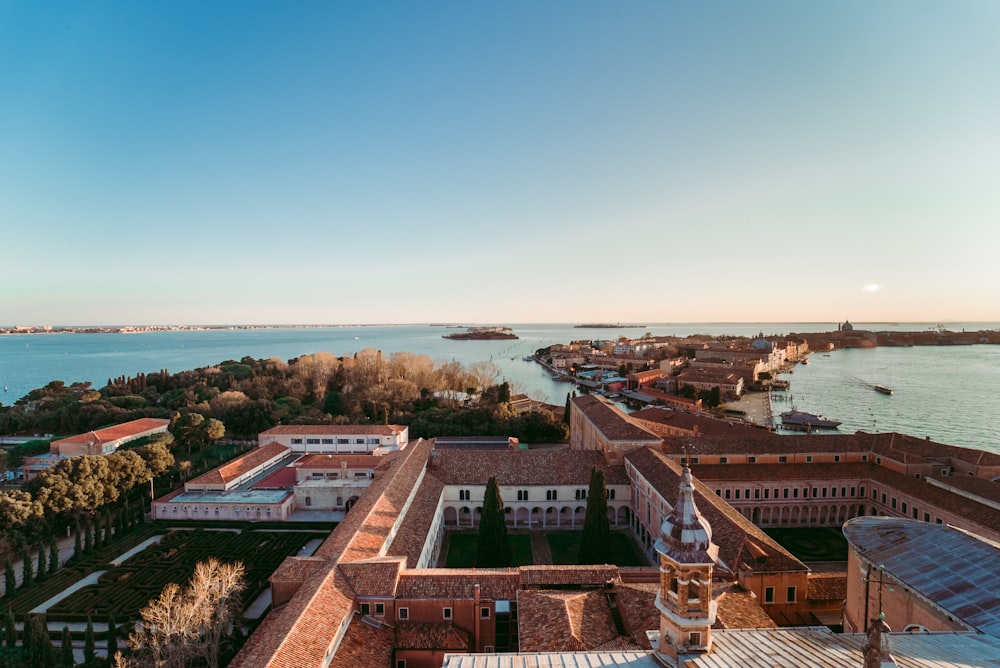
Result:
803,420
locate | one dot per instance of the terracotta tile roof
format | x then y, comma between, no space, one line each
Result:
337,461
377,509
281,479
738,608
522,467
364,645
298,634
412,534
235,468
827,586
297,569
563,621
969,509
429,636
730,530
825,471
331,429
704,425
636,603
115,432
611,422
554,576
375,578
497,584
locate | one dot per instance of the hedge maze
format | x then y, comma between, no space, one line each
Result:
125,590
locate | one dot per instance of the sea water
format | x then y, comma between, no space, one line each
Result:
948,393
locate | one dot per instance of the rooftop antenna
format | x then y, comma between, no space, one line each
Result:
880,581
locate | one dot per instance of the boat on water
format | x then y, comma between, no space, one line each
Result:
883,389
801,420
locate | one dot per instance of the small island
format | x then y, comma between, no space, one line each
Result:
482,334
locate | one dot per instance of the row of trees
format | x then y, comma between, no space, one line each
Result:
494,550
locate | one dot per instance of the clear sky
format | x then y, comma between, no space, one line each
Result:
195,162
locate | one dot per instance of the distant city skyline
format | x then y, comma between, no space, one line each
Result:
560,161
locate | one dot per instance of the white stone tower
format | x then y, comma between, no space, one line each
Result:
687,556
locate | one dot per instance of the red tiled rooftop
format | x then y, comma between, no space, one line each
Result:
336,461
115,432
241,465
331,430
614,424
523,467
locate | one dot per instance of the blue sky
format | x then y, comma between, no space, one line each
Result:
324,162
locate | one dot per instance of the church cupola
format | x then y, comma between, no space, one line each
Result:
687,556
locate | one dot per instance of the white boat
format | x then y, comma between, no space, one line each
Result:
802,419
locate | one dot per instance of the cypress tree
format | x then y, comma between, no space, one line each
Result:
566,410
494,546
10,629
77,542
112,639
98,532
88,540
66,659
10,580
53,556
27,576
89,655
42,573
595,544
38,642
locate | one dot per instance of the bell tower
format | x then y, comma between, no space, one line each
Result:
687,555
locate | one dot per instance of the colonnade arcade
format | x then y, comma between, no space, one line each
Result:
569,515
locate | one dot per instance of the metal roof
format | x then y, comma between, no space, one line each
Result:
951,568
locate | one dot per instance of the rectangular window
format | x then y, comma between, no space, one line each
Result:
366,609
296,441
718,492
805,492
380,609
756,493
915,513
791,595
927,517
404,613
723,460
312,441
782,460
883,498
400,663
809,459
769,594
786,493
737,493
694,639
864,458
752,459
373,441
823,490
343,441
694,460
833,492
861,491
766,493
484,612
795,492
359,441
327,441
727,493
836,458
746,494
447,613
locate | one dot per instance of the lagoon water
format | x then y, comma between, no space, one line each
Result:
947,393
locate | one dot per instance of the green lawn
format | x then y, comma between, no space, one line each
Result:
463,548
812,543
565,545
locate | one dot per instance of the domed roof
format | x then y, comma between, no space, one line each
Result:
760,343
847,326
685,535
